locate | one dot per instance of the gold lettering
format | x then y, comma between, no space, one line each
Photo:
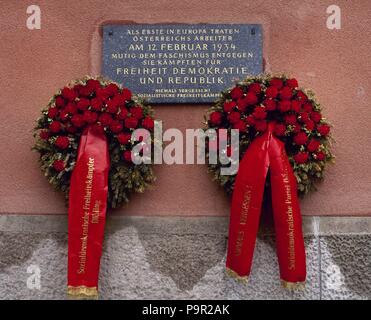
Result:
245,205
85,218
290,217
96,211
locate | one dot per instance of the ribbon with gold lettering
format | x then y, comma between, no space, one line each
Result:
87,213
266,152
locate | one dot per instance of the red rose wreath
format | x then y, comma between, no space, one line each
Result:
281,129
84,138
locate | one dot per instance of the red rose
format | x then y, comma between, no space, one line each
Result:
55,127
105,119
309,124
313,145
44,134
261,125
316,116
90,117
286,93
236,93
123,113
83,104
242,104
112,89
131,123
69,94
77,88
250,120
308,107
255,88
126,94
127,155
284,105
59,102
234,117
292,83
63,115
112,106
228,106
280,129
77,120
116,126
118,100
124,138
301,157
52,113
276,82
290,119
295,106
215,118
320,156
270,104
240,125
148,123
85,91
101,94
302,97
301,138
114,101
71,108
271,92
323,130
58,165
304,116
96,104
62,142
136,112
251,98
260,113
93,84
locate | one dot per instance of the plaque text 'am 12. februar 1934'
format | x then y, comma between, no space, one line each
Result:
181,63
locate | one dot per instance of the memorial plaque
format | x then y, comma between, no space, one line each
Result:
181,63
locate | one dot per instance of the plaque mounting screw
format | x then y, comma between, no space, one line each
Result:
110,33
253,31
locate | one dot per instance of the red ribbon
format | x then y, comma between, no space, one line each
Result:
266,152
87,213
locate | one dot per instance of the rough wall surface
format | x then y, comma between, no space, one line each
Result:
336,64
183,258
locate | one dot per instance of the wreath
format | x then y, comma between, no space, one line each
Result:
107,106
251,104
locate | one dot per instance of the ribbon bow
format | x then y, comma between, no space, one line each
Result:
266,152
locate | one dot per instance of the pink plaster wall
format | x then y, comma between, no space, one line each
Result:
336,64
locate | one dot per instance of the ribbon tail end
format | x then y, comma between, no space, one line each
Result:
293,285
81,292
235,275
